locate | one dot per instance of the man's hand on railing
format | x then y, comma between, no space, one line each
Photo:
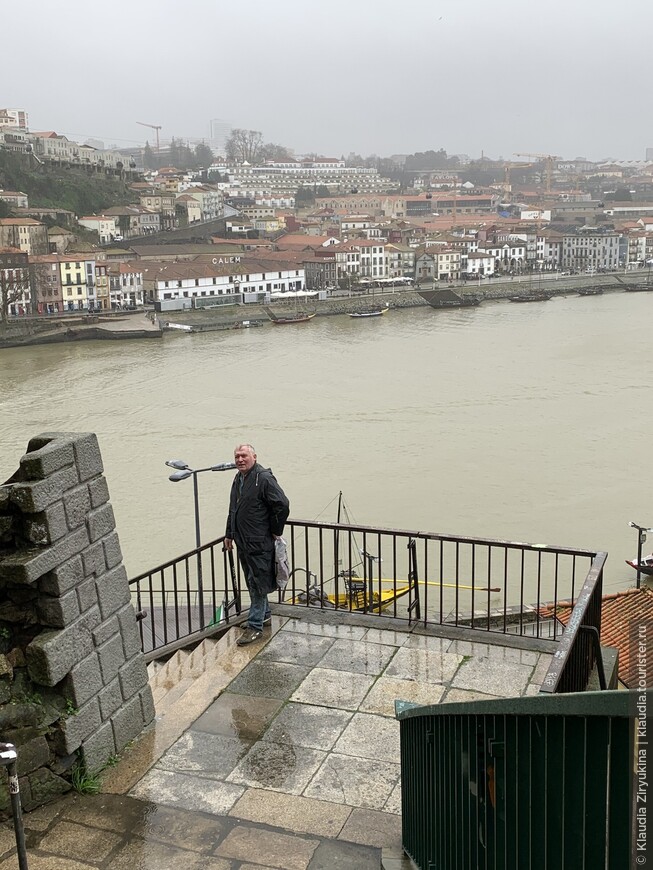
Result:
228,544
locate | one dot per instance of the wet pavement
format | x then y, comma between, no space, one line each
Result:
282,754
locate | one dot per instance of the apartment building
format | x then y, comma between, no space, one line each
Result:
163,203
105,226
26,234
15,291
45,280
590,249
372,262
14,118
549,250
126,285
77,276
15,198
400,260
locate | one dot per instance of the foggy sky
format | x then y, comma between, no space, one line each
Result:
565,77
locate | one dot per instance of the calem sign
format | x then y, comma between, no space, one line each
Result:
222,261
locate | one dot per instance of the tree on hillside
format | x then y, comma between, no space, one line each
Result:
304,196
621,194
149,157
244,145
279,153
13,283
203,155
5,209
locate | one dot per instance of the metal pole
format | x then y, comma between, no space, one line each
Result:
641,537
8,758
198,544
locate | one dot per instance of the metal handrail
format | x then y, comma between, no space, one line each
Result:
423,578
579,649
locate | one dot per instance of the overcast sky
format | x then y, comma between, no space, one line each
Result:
564,77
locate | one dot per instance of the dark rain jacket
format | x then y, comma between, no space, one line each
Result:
257,513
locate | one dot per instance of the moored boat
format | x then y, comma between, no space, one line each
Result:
532,297
375,313
590,291
644,566
449,299
300,318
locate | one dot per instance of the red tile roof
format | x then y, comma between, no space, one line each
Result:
619,612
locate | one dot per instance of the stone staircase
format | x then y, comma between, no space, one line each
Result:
171,679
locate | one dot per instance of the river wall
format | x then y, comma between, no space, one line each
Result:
73,681
238,316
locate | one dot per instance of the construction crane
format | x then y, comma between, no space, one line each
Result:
507,166
548,160
156,127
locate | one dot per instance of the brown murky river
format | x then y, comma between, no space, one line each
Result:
527,422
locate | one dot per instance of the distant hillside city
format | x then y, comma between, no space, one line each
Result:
200,227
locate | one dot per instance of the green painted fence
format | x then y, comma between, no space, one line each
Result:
541,783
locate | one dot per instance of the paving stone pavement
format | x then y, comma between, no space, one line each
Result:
284,755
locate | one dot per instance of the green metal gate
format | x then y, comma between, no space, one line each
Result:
541,783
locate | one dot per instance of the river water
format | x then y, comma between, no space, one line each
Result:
526,422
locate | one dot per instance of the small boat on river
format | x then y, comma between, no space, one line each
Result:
590,291
298,318
532,297
375,313
639,288
446,298
645,566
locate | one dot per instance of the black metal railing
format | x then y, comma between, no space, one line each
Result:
579,649
541,782
502,587
187,596
433,579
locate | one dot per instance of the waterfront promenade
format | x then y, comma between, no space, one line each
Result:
149,324
283,754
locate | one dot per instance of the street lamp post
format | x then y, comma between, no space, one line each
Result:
641,539
182,472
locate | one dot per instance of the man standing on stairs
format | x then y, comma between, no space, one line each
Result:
258,510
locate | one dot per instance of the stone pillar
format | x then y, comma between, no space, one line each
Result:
73,680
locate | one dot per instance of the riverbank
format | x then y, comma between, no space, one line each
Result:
145,324
85,327
232,317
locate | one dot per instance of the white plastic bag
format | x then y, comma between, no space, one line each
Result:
281,563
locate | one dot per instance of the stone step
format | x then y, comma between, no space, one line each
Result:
392,859
171,680
169,674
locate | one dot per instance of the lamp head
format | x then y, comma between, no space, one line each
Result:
177,463
176,476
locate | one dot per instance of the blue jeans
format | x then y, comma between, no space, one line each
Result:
259,609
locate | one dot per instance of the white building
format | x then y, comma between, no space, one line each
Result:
14,118
480,263
104,225
590,250
173,286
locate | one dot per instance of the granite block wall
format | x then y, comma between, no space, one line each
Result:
73,680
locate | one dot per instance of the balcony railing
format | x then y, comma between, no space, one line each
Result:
499,587
542,782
